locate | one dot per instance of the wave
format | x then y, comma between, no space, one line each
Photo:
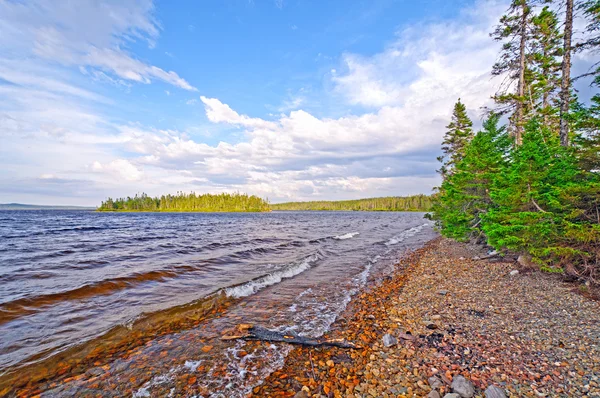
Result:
405,234
346,236
256,284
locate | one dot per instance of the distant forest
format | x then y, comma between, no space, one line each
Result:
390,203
188,202
237,202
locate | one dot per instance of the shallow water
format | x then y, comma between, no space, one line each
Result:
68,277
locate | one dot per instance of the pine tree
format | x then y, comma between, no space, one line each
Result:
458,134
514,31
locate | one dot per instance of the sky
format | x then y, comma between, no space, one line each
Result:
284,99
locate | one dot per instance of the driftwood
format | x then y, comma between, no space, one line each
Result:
250,332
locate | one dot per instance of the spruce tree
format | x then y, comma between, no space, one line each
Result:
545,64
464,195
458,134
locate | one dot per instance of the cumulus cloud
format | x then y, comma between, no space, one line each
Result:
401,100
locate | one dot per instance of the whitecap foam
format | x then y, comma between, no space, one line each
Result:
346,236
253,286
405,234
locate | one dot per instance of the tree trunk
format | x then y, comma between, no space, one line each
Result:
521,84
565,85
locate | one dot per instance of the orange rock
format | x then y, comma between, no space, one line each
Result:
207,348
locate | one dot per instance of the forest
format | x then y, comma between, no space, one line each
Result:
189,202
245,203
390,203
529,181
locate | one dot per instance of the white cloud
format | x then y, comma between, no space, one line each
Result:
435,60
94,34
406,93
218,112
120,168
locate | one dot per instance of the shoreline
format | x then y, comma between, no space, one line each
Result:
525,333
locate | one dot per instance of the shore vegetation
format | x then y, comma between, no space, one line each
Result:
532,186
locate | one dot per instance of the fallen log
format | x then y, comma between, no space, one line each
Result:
257,333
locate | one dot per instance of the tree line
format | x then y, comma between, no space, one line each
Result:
531,185
237,202
390,203
188,202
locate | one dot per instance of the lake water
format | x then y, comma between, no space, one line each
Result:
74,281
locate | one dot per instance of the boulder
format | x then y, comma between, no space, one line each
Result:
463,387
451,395
494,392
514,272
389,340
442,292
301,394
433,394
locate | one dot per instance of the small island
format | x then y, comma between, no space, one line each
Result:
187,202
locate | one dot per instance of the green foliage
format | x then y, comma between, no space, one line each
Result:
458,134
188,203
528,211
533,195
464,195
392,203
545,59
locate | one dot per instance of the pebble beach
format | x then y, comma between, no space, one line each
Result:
448,323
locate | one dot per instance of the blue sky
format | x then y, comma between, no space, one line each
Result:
286,99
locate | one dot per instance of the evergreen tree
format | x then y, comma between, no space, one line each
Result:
514,31
529,212
545,64
464,195
458,134
565,86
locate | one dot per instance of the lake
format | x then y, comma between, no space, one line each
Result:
76,283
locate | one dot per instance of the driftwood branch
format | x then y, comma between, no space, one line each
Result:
250,332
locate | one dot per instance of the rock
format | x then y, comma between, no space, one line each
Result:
525,260
463,387
301,394
435,382
494,392
442,292
514,272
389,340
451,395
433,394
436,317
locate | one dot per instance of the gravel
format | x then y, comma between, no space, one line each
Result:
529,335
